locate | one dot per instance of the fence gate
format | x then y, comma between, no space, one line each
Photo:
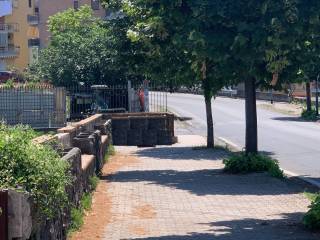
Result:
3,215
86,100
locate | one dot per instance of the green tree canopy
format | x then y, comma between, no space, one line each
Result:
81,49
184,42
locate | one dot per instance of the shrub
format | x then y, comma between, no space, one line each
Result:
312,218
243,163
309,115
36,169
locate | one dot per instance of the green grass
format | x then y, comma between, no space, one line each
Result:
76,220
311,196
86,200
94,181
111,151
77,214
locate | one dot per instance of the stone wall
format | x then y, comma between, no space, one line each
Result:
84,145
142,129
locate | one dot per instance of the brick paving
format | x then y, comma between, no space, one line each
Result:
181,193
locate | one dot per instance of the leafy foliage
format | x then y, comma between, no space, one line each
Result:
249,163
312,218
183,41
36,169
81,49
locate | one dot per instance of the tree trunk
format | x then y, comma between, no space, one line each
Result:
308,95
210,130
208,97
251,116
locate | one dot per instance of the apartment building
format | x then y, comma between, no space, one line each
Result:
19,34
48,8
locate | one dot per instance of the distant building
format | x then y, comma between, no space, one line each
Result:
48,8
19,35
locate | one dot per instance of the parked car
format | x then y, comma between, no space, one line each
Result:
5,76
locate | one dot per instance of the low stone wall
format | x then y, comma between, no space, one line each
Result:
142,129
84,145
87,124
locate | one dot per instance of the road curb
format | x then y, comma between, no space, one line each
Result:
220,141
291,175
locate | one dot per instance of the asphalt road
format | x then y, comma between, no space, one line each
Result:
296,144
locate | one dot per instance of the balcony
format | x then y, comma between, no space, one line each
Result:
9,27
9,51
33,20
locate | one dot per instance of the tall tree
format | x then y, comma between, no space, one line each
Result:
187,40
260,48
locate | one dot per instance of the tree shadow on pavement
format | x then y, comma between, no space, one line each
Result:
183,153
284,227
209,182
202,181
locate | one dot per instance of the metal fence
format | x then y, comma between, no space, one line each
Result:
45,107
87,100
39,107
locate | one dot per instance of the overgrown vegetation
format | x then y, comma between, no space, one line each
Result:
85,205
86,201
312,219
249,163
111,151
311,196
309,115
93,181
36,169
78,213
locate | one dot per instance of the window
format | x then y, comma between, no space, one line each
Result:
76,4
30,3
95,4
4,39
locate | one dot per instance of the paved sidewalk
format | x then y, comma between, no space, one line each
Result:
181,193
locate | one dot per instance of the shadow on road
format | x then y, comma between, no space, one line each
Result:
290,119
289,227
